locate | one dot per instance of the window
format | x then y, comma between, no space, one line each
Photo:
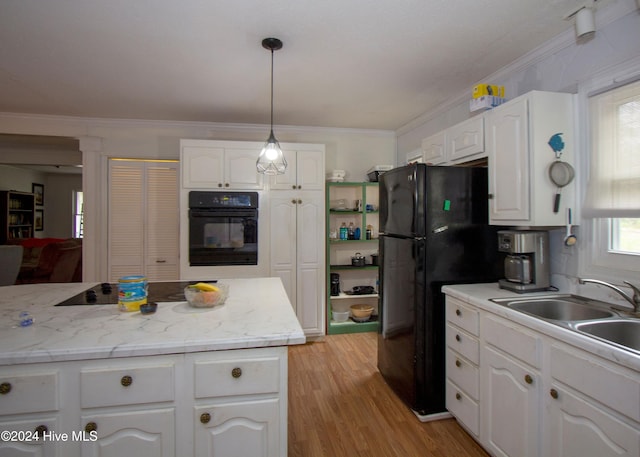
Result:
78,208
613,193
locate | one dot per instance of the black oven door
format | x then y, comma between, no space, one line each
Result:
223,237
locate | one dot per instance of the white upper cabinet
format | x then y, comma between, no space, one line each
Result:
460,143
465,139
305,169
229,165
518,136
433,149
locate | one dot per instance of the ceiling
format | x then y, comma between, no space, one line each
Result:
373,64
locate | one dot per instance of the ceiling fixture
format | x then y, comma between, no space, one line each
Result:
585,21
271,160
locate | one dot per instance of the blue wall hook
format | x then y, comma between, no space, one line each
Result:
556,143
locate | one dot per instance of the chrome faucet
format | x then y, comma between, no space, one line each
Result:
635,300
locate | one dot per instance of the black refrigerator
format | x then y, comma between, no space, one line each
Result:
433,231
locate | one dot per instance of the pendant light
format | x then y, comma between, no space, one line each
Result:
271,160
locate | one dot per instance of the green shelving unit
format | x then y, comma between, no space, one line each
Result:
339,252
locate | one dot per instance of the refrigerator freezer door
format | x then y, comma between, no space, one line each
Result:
419,200
401,201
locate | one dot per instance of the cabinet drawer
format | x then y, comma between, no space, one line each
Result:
463,374
463,343
462,315
513,339
127,384
28,392
237,377
597,379
463,408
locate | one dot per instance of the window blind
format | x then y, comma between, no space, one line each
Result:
614,181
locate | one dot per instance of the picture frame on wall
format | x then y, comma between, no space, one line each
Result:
39,220
38,192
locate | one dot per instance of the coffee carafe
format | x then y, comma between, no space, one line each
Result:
526,266
335,284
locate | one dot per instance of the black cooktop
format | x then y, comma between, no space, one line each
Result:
107,294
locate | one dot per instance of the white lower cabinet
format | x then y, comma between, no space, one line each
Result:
510,387
538,396
594,406
248,428
218,403
148,433
29,447
510,411
462,360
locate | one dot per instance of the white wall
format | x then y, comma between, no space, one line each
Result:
352,150
560,65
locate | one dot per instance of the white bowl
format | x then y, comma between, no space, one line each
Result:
340,316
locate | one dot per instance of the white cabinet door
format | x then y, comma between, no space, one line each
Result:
202,167
507,146
579,428
305,171
509,406
310,263
240,169
283,221
297,254
466,139
249,428
162,223
143,220
518,138
310,170
433,149
30,447
140,434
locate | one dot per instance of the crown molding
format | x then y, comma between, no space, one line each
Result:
216,127
562,41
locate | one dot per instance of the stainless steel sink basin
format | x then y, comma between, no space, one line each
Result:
623,332
559,308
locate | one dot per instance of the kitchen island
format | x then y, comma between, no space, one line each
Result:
183,381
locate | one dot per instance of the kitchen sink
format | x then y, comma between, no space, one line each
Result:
619,331
583,315
559,308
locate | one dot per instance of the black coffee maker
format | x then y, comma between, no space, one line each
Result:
335,284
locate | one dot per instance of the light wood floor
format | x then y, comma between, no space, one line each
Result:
339,405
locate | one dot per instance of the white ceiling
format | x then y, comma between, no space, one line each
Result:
345,63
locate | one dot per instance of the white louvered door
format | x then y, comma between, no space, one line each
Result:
143,219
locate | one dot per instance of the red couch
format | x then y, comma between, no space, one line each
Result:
50,260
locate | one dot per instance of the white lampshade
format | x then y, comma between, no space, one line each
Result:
585,23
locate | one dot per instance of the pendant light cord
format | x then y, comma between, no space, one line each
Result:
272,89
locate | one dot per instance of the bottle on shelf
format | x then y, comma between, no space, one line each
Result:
369,231
350,231
344,232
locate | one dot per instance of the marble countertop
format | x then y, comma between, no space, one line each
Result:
257,313
480,295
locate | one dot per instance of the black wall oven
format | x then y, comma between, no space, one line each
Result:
223,228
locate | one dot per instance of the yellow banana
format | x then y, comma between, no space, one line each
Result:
206,287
